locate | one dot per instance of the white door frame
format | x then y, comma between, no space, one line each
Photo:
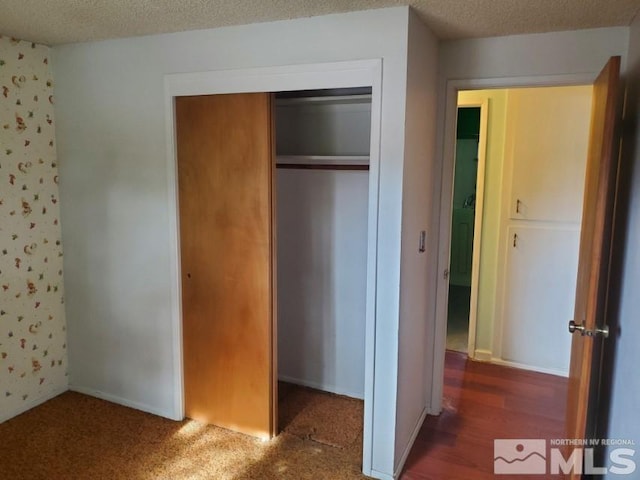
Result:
446,194
360,73
477,220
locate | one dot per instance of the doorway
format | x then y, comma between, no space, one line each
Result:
598,201
469,167
532,192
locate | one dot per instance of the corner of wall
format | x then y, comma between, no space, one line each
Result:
416,322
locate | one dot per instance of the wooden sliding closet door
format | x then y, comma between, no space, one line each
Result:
225,162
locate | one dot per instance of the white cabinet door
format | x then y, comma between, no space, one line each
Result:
540,285
545,158
546,143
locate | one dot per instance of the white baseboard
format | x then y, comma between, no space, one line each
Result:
431,411
122,401
325,387
482,355
4,416
533,368
412,439
487,356
380,475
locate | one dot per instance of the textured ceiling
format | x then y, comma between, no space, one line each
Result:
66,21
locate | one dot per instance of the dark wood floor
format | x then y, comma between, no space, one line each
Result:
483,402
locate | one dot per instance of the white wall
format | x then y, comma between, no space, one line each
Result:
536,59
624,422
115,200
322,278
328,127
555,53
417,286
322,246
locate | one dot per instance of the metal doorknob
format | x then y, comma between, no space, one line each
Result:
596,332
575,327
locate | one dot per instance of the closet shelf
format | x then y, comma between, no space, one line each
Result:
325,100
324,159
323,162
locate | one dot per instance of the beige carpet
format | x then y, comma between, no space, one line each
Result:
75,436
328,419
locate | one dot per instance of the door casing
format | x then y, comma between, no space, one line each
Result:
360,73
477,222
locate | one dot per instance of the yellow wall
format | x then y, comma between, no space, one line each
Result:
492,203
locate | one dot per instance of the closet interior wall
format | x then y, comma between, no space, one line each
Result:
322,147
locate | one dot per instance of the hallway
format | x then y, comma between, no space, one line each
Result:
483,402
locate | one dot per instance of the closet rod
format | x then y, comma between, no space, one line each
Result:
306,166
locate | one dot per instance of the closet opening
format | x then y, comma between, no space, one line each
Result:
322,143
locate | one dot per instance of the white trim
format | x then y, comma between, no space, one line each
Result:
283,78
412,439
478,215
532,368
327,100
505,205
358,73
174,255
380,476
487,356
325,387
372,267
482,355
32,404
443,209
123,401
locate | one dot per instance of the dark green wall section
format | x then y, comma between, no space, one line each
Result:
464,195
468,122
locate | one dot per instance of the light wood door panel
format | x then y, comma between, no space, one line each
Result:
595,245
225,162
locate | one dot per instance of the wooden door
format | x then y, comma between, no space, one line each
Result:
225,162
595,246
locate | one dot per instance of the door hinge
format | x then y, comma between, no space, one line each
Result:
445,274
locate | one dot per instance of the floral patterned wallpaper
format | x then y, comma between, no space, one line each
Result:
33,356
